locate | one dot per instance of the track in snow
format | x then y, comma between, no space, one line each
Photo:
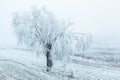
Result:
11,70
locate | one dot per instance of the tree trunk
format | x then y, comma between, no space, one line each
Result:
49,61
49,58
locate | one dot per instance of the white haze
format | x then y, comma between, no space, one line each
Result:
101,18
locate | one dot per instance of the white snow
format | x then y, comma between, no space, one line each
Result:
24,65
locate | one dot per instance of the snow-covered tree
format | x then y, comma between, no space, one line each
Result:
39,29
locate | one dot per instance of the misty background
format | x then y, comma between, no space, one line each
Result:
101,18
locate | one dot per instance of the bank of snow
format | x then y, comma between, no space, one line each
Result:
24,65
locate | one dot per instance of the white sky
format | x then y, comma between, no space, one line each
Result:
101,18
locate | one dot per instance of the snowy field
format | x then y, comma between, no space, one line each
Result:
95,64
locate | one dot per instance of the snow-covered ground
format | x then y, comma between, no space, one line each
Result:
19,64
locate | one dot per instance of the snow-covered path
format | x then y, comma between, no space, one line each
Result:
17,65
10,70
13,71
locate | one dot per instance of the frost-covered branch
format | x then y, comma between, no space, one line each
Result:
39,28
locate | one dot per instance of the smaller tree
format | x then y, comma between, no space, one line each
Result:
39,29
84,41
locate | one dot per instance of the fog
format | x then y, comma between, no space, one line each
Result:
101,18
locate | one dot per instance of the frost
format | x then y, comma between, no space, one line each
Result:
42,32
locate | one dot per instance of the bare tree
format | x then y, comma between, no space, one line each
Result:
40,29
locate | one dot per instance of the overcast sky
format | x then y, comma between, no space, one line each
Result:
101,18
